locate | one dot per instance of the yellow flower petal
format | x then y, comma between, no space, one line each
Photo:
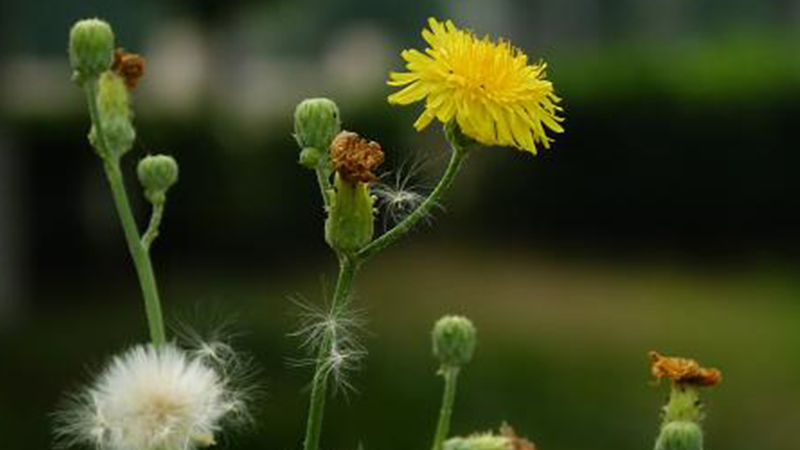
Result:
410,94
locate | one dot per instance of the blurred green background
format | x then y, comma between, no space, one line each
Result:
664,218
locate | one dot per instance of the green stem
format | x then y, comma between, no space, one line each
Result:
316,410
324,181
152,228
139,253
443,428
457,156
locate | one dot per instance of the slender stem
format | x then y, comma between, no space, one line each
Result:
141,258
347,271
390,237
152,228
323,179
443,428
139,254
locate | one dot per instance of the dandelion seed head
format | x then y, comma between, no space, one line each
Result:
152,398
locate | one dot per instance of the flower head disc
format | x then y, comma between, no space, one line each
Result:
489,88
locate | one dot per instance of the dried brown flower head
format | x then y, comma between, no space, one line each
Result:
354,158
517,442
129,66
683,370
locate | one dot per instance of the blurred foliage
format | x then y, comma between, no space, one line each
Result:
736,68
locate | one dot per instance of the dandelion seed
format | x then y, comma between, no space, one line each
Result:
331,338
400,197
153,398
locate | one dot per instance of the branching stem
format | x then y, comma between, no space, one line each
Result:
457,157
138,251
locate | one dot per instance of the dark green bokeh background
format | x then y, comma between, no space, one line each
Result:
665,217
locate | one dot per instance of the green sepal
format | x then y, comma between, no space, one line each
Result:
351,223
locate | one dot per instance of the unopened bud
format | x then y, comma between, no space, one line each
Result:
91,49
483,441
682,435
316,123
507,439
311,157
157,173
454,341
114,113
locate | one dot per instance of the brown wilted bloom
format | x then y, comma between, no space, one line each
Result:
355,158
129,66
683,370
517,442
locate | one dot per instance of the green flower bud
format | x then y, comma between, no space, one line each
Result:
506,439
350,223
157,173
681,435
114,113
311,157
316,123
483,441
453,341
91,49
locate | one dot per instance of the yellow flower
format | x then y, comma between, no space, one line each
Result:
489,88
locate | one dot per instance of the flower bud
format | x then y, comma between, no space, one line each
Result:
350,223
506,439
114,114
316,123
682,435
157,173
91,49
311,157
483,441
453,341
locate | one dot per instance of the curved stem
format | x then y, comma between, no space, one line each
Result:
141,258
443,428
457,156
316,410
152,228
139,254
323,179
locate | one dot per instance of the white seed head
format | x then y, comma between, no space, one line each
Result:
152,398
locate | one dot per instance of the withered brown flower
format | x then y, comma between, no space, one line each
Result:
683,370
354,158
129,66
